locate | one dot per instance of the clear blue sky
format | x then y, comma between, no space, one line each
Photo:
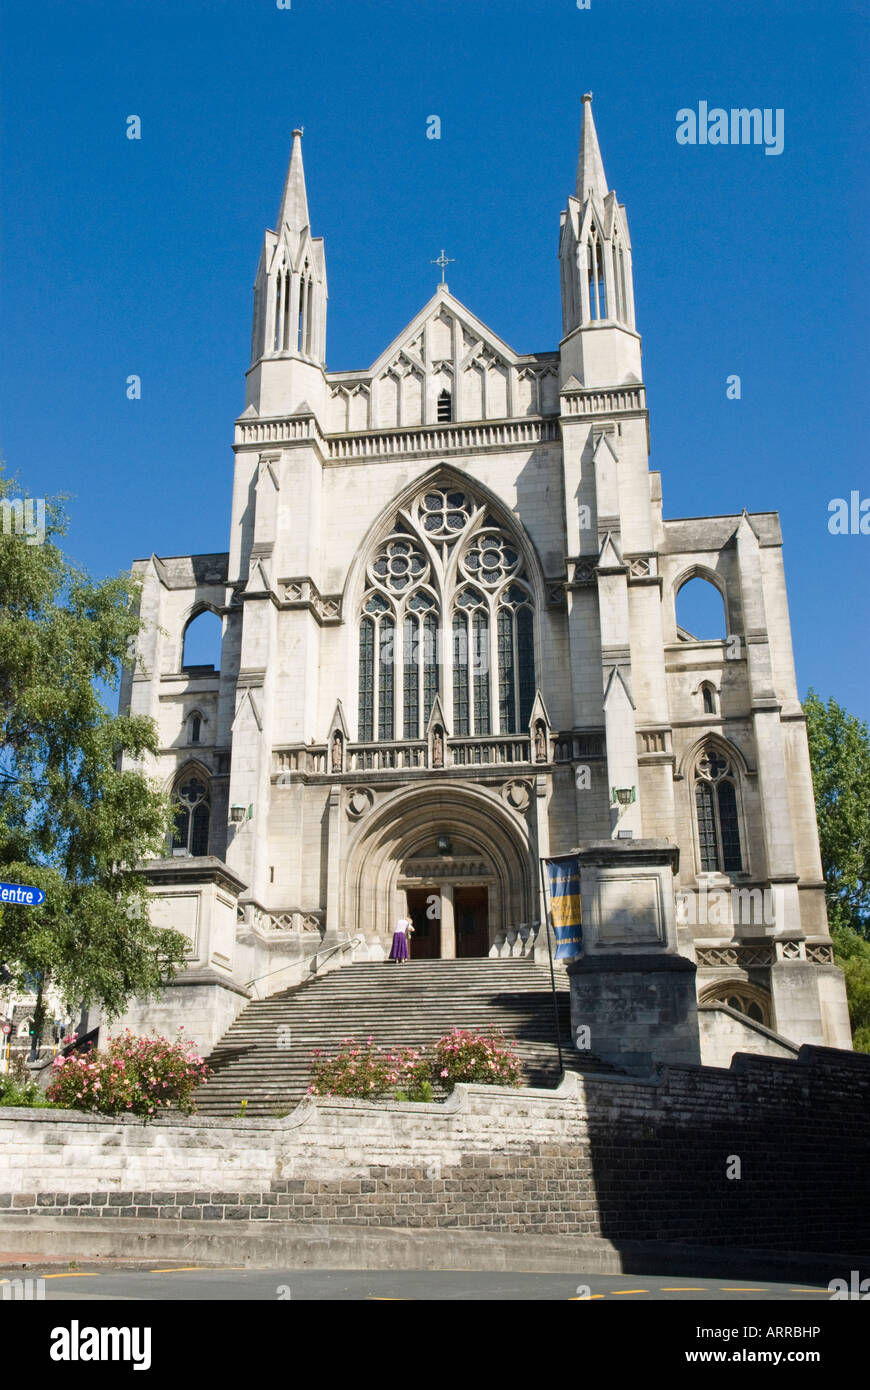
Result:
122,256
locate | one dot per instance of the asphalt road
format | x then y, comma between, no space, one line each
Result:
179,1283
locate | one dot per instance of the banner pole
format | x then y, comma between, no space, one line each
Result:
547,916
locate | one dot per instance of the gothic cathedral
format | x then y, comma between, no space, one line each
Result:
450,650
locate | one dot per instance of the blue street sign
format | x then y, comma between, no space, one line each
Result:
21,895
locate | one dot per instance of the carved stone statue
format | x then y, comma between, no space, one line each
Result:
540,744
336,752
437,749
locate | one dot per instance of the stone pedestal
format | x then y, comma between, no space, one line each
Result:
638,1013
198,897
633,998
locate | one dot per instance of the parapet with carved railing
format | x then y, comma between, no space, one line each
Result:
267,922
611,402
443,439
515,942
299,758
484,751
744,956
374,757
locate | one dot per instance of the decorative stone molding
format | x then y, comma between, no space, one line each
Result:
456,866
584,572
734,954
643,569
820,953
303,593
517,795
360,801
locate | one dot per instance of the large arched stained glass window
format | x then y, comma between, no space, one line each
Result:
448,613
716,810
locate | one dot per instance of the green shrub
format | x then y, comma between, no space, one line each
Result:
24,1093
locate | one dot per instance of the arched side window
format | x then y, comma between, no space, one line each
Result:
201,644
194,727
700,611
595,276
192,815
448,611
715,784
708,698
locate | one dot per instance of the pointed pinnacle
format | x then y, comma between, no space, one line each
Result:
294,204
590,169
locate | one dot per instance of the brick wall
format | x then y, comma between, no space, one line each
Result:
624,1160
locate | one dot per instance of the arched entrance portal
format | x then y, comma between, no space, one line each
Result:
455,860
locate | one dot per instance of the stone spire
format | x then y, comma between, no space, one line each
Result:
590,169
294,204
288,340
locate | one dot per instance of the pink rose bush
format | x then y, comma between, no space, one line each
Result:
132,1076
485,1059
367,1072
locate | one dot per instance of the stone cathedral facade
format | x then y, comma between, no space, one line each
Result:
450,649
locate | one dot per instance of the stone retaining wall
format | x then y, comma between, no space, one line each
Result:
604,1157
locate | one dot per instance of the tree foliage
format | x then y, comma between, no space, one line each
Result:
840,757
71,821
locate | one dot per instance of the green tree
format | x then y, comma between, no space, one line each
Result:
71,822
840,757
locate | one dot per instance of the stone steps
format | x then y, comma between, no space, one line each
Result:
264,1058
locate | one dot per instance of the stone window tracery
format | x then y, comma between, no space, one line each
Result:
192,815
717,814
449,611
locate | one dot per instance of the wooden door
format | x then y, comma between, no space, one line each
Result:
470,911
424,910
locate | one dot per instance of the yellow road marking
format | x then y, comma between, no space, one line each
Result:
629,1290
585,1298
809,1291
82,1275
683,1288
730,1289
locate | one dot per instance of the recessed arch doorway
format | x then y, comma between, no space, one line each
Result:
453,859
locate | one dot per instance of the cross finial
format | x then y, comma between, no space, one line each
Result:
444,261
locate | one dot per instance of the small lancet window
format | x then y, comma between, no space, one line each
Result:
194,728
445,407
708,698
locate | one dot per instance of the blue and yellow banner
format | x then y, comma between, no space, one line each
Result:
563,878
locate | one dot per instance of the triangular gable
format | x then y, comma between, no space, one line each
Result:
443,299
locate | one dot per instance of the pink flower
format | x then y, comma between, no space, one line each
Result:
444,1071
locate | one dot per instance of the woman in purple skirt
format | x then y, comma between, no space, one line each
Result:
399,949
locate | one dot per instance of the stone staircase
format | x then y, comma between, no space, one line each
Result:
264,1058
